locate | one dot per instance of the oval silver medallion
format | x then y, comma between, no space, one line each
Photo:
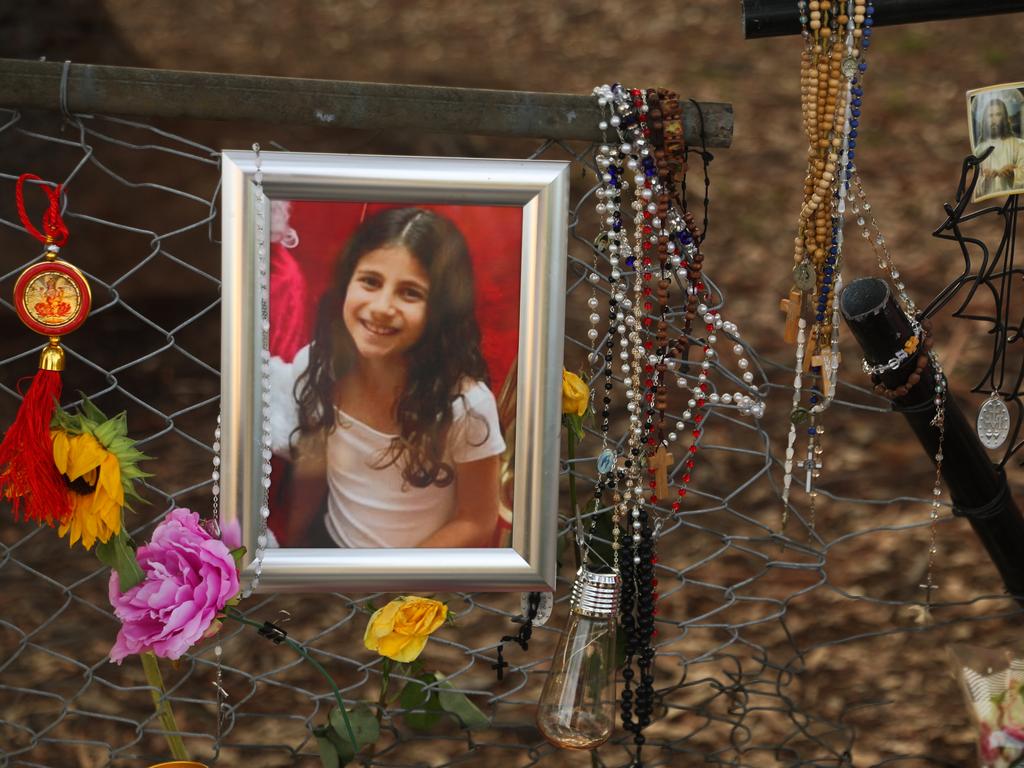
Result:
543,607
849,66
993,422
606,461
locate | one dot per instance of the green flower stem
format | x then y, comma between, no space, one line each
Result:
382,698
300,649
571,434
163,706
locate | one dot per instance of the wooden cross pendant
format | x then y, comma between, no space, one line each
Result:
809,352
660,461
792,307
823,360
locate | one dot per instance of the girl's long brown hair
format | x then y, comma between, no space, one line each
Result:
447,352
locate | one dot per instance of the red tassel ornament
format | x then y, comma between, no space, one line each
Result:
52,298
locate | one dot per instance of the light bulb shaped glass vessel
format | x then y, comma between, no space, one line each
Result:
577,706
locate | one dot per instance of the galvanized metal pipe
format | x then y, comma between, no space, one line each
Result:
330,103
775,18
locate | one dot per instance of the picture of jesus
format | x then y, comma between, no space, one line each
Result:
995,126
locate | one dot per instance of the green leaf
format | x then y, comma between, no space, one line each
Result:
132,472
124,448
328,754
365,728
60,419
456,703
109,430
119,555
90,411
416,696
238,553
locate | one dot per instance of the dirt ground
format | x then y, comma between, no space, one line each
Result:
848,650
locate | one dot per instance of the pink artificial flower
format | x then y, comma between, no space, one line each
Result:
231,534
189,577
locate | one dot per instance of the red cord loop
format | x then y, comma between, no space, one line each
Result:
53,225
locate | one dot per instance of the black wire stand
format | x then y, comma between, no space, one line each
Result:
989,274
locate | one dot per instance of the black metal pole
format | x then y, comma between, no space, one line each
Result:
775,18
978,487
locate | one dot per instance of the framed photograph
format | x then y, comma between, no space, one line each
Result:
391,370
994,123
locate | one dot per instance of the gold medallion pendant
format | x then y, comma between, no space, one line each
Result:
52,297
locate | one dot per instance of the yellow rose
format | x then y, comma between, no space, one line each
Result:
575,394
400,629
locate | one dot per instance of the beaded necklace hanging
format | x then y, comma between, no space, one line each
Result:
830,93
663,243
831,116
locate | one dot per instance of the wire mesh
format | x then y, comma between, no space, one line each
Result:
755,628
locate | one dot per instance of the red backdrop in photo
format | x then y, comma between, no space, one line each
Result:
493,234
494,238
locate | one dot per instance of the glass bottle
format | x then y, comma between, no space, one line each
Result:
577,706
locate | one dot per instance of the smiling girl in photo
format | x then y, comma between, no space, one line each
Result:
397,426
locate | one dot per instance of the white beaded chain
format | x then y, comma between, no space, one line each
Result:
628,153
787,479
263,266
218,650
872,233
263,263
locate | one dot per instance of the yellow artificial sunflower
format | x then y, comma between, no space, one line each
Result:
98,462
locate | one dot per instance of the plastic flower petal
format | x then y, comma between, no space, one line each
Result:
98,462
94,491
189,577
84,455
575,394
61,449
400,629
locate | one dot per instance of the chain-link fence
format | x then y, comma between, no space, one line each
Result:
803,649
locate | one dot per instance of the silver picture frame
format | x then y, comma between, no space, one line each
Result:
540,188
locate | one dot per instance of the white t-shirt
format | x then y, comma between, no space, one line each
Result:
368,507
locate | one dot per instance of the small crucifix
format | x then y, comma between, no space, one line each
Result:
792,307
810,464
500,665
660,461
924,613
